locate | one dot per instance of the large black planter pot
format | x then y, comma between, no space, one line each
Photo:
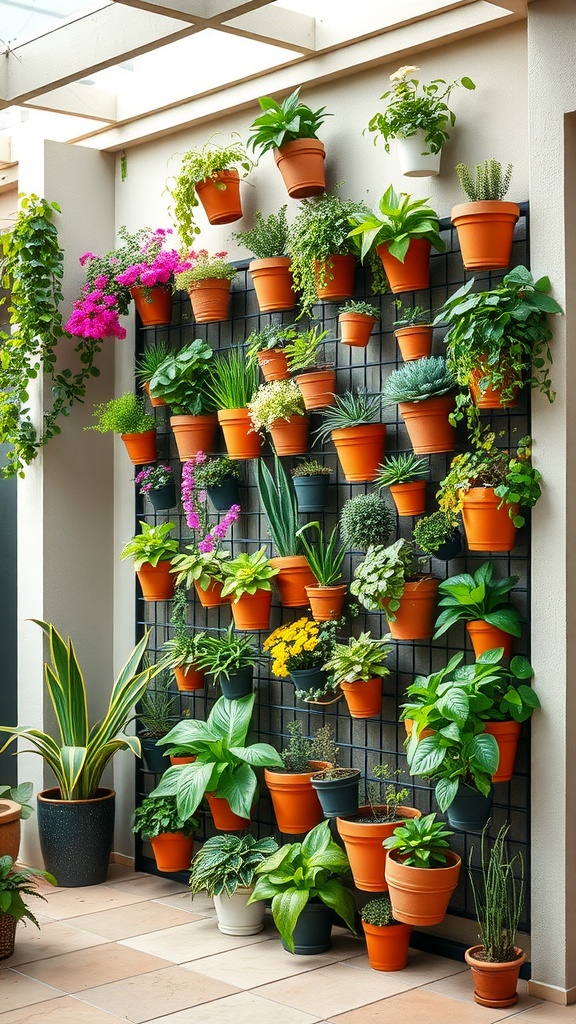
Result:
338,796
239,685
163,497
226,495
470,810
311,492
154,757
312,929
76,836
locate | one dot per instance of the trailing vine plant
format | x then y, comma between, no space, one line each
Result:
31,268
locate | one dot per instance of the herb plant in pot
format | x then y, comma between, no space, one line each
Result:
358,436
289,129
325,559
152,551
438,535
358,668
485,224
270,270
304,882
182,380
279,409
315,378
405,476
224,868
183,649
356,319
298,650
155,714
146,366
387,940
171,836
424,391
208,283
421,871
14,885
76,817
296,805
311,480
247,583
482,603
220,479
366,520
211,174
230,660
295,573
233,382
137,428
157,483
413,330
389,578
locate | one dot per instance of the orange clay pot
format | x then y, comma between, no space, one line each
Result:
301,164
414,341
155,402
414,274
427,424
364,699
360,450
489,398
494,984
387,945
506,735
338,277
181,759
221,205
10,815
485,637
410,498
420,896
487,527
485,233
252,611
363,841
224,818
172,851
210,299
240,438
141,447
189,679
273,364
296,804
156,581
272,279
157,312
355,329
194,434
290,437
317,388
416,615
212,597
326,603
294,577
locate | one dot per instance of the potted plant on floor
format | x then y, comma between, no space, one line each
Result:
387,940
208,282
220,478
247,583
270,269
356,319
325,559
289,129
211,174
157,483
438,535
358,436
485,224
421,871
498,890
304,881
77,805
419,121
146,366
389,578
424,390
366,520
279,409
137,428
171,836
358,668
234,380
413,329
482,603
230,660
15,807
224,767
311,480
152,551
14,885
183,380
298,650
266,348
405,476
224,868
296,805
278,499
316,378
155,713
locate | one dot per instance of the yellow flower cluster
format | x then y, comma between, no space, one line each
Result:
290,641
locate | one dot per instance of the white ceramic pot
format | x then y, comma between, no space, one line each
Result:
235,918
416,160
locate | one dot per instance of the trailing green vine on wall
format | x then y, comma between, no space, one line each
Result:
31,268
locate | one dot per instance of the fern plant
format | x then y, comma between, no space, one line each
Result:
418,380
489,182
268,239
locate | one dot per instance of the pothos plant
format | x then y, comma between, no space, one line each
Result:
31,269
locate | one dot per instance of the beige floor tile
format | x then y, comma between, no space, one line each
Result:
420,1006
459,986
260,964
547,1013
244,1008
150,887
202,904
53,939
90,899
185,902
190,941
65,1010
98,965
158,994
16,990
422,968
125,922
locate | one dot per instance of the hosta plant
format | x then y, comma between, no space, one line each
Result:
228,862
153,545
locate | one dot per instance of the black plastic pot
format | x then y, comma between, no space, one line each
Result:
76,836
311,492
338,796
226,495
164,497
312,930
154,757
238,685
451,549
470,810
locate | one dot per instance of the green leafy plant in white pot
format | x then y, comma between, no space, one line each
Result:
224,868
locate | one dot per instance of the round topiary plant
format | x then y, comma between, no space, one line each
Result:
378,912
365,520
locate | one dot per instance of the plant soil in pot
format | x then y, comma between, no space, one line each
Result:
337,791
235,917
242,442
172,851
301,164
470,809
420,896
272,279
495,984
487,526
221,205
363,834
76,836
158,311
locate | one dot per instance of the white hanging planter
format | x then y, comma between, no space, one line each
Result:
416,160
235,918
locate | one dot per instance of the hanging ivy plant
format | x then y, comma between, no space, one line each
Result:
31,270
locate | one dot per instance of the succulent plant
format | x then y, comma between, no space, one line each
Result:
418,380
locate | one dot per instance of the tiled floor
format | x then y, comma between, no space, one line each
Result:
138,949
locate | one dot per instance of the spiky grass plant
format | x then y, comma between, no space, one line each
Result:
278,498
234,379
157,707
498,896
488,181
366,520
418,380
350,410
325,557
402,469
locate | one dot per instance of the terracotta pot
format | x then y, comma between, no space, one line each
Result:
364,699
360,450
414,341
212,597
156,403
141,447
317,388
290,437
221,205
487,527
240,438
410,498
296,804
415,158
158,311
387,945
189,679
363,841
485,233
301,164
273,364
420,896
489,398
485,637
177,759
10,815
414,274
355,329
294,577
194,434
427,424
272,279
338,277
224,818
210,299
157,581
416,615
326,603
494,984
172,851
252,611
409,725
506,735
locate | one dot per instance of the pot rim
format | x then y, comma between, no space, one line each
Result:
100,795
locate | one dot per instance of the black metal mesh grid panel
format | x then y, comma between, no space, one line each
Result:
363,743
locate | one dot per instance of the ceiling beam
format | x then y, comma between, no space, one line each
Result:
514,6
210,11
287,29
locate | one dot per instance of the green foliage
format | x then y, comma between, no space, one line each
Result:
299,872
303,353
31,270
360,659
310,467
21,794
432,531
408,112
325,558
205,268
420,842
16,884
271,336
402,469
417,380
410,315
498,896
156,708
478,597
381,576
197,165
233,381
365,521
277,400
378,912
350,410
184,648
150,360
301,749
384,806
81,756
184,380
157,815
284,122
268,238
397,219
227,653
224,762
153,545
227,862
359,306
246,574
214,472
199,567
488,181
278,498
124,415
